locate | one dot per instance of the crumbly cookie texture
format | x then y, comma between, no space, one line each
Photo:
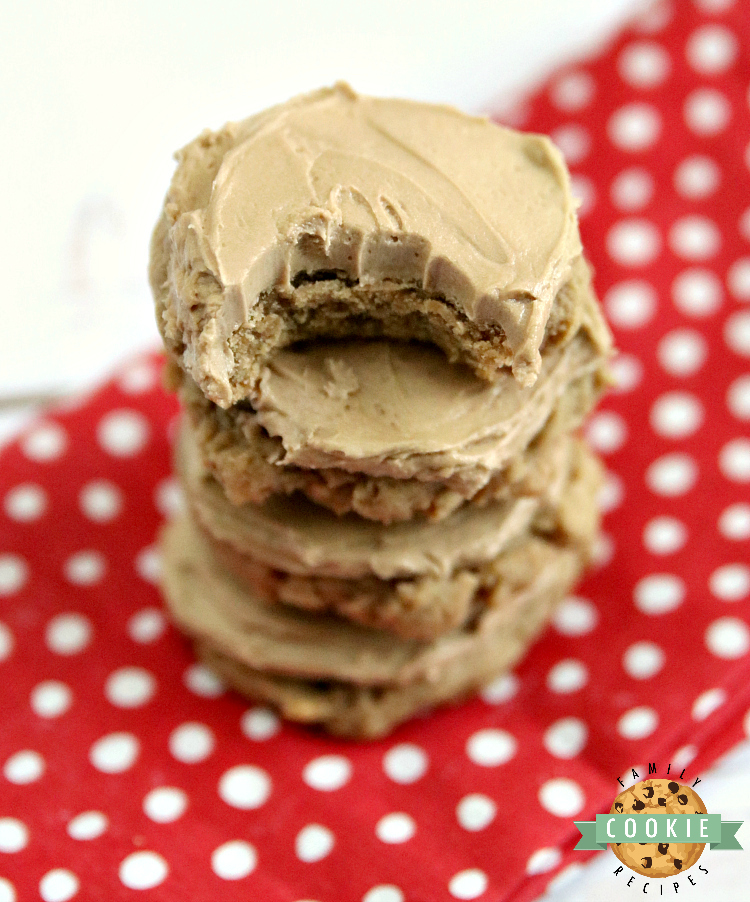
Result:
354,681
425,606
336,214
653,797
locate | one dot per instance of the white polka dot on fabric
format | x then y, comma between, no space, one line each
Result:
634,127
130,687
100,500
567,676
85,568
738,279
143,870
566,738
643,64
573,141
633,242
676,415
6,642
642,660
627,372
327,773
734,522
7,891
573,91
612,493
637,723
58,885
672,475
148,564
475,812
68,634
138,378
711,49
245,787
737,333
630,304
606,431
25,503
697,177
114,753
405,763
575,616
386,892
14,835
395,828
730,582
146,625
191,742
583,190
46,442
654,18
684,756
695,238
260,724
491,747
13,573
24,767
543,860
728,638
169,498
234,860
734,460
123,433
707,112
51,699
468,884
632,189
697,292
659,593
313,843
165,804
682,352
707,702
562,797
500,690
202,681
87,826
664,535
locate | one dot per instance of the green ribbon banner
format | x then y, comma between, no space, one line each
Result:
658,828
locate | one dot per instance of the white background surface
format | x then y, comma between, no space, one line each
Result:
95,98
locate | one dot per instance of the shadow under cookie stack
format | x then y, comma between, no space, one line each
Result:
383,332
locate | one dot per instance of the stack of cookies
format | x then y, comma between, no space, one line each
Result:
382,328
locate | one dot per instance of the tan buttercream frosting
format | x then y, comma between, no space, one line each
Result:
375,191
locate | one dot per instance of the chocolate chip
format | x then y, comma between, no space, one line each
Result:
682,798
618,807
678,864
646,862
663,846
648,791
638,805
673,787
663,803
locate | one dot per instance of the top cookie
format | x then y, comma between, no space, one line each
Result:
336,214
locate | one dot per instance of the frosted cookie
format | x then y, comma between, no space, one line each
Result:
390,429
353,680
654,797
426,606
335,215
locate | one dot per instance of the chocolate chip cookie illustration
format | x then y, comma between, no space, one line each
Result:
658,797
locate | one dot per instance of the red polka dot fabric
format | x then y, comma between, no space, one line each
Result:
128,771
